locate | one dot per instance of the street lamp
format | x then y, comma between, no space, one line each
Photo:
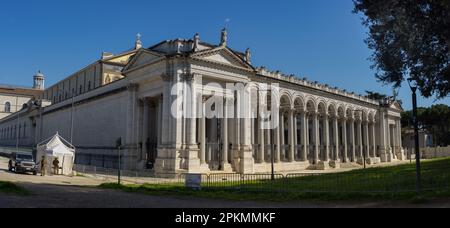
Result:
413,85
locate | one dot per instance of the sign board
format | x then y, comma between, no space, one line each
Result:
194,181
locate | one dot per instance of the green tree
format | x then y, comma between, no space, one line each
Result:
410,38
375,95
435,120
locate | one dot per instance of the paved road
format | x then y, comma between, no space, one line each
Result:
78,192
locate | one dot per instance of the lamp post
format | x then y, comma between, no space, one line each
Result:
119,158
413,85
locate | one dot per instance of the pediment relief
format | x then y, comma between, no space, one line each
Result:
143,57
124,59
222,56
396,105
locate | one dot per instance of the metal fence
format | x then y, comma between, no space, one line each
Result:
129,177
366,181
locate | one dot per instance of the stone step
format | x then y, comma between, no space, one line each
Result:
349,165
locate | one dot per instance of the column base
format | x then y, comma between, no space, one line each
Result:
335,164
167,161
321,165
192,162
401,155
373,161
247,161
386,156
204,168
227,168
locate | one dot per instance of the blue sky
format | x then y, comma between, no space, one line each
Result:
321,39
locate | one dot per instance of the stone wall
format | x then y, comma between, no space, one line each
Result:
438,152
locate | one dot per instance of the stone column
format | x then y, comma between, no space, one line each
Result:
226,166
246,156
261,151
291,136
269,151
352,140
374,141
389,140
237,127
401,154
203,135
366,139
145,127
327,138
277,140
192,115
295,137
304,137
384,147
336,138
167,160
193,162
344,140
316,137
160,113
399,134
283,138
359,138
131,140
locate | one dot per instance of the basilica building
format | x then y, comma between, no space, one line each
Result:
157,100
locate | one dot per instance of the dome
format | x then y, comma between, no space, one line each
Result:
39,74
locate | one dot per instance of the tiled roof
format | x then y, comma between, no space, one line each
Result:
19,91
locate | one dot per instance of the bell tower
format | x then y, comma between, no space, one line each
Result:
38,81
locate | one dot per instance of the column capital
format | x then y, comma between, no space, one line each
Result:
313,113
228,100
188,77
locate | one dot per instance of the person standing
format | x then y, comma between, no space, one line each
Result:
56,166
43,166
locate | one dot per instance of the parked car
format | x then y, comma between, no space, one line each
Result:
22,163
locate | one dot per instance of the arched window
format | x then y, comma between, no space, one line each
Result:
7,107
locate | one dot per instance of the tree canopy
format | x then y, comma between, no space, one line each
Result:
434,120
375,95
410,38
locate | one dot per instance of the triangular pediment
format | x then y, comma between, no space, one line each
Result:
224,56
396,105
142,58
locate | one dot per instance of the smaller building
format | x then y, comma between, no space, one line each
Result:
425,139
14,98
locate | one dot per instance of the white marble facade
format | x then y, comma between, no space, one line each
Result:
317,126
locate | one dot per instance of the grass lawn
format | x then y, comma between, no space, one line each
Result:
10,188
390,183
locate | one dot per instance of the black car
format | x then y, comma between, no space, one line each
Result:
22,163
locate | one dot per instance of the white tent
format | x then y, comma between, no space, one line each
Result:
57,147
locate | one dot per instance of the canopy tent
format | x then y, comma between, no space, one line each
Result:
57,147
